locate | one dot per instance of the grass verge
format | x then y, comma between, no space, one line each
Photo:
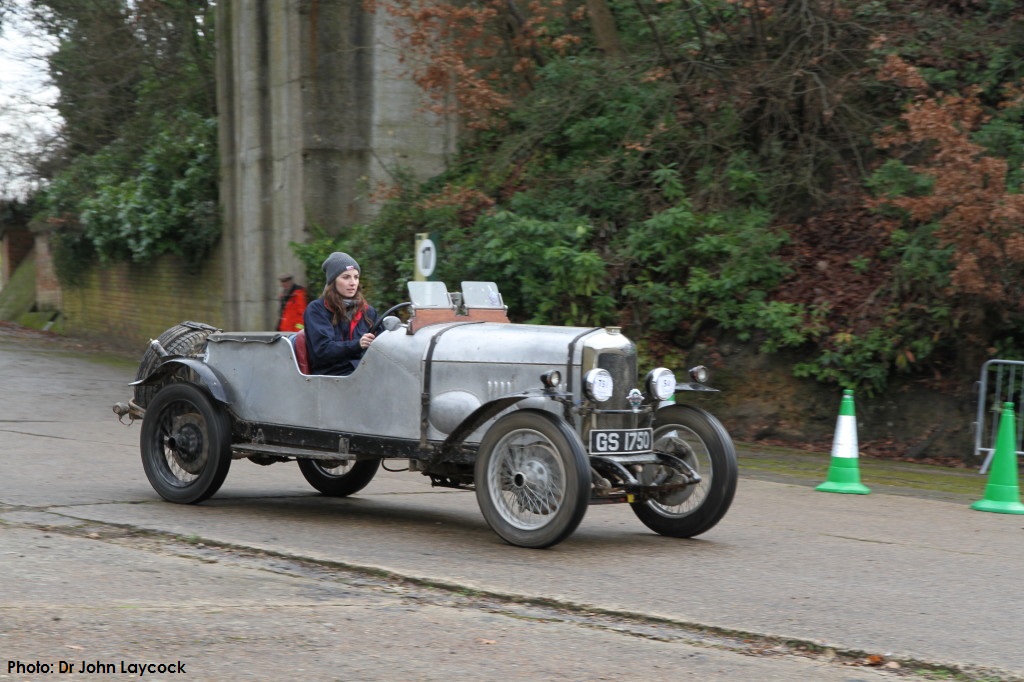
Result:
894,477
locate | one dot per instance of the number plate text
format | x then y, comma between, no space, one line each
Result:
620,441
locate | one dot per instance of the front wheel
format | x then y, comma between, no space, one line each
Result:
700,440
338,478
532,479
186,444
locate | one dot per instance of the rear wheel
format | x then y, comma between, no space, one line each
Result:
532,479
338,478
187,338
700,440
186,444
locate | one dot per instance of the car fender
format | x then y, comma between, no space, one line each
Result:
208,377
536,399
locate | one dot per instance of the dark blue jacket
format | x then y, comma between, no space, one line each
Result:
334,349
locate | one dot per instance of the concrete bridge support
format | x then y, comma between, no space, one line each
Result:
315,111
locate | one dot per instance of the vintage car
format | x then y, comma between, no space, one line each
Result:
541,421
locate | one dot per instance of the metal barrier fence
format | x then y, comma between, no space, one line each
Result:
1001,381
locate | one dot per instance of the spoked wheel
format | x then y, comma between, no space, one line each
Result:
338,478
532,479
185,444
701,441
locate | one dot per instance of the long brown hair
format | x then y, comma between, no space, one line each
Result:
336,304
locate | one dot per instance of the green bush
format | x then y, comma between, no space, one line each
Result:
544,268
694,266
895,179
121,209
1004,136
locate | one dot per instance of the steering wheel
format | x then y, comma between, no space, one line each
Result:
393,309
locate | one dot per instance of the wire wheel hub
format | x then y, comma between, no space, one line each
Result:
185,444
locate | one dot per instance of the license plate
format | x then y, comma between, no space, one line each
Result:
620,441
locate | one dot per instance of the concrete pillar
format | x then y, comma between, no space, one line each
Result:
404,134
245,154
314,111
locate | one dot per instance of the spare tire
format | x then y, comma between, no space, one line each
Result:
187,338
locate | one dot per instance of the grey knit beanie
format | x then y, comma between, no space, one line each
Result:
338,263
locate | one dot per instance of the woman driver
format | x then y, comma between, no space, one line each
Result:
338,323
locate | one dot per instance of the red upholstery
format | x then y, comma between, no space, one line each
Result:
301,351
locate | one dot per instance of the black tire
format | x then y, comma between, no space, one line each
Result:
338,478
532,479
186,444
699,439
187,338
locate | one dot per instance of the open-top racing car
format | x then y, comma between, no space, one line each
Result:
541,421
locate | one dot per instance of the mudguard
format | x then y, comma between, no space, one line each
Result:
208,377
491,409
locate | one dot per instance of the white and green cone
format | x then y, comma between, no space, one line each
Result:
843,472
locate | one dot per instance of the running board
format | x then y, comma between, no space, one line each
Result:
242,450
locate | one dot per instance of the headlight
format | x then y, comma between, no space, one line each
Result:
551,379
598,385
699,374
661,383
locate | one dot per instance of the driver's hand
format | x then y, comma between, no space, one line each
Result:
365,340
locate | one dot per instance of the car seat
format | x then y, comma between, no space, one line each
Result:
301,350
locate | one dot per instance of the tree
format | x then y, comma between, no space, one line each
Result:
476,59
137,173
964,200
96,69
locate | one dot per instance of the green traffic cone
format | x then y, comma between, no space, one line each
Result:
1002,494
843,472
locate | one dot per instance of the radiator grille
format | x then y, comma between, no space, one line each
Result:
623,371
622,367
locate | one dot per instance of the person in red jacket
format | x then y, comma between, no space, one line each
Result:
293,305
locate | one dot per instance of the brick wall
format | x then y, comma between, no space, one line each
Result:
130,304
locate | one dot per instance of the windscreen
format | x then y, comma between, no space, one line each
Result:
481,295
429,295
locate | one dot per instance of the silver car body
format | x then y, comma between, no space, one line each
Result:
539,420
461,366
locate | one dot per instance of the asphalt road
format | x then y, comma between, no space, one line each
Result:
267,580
